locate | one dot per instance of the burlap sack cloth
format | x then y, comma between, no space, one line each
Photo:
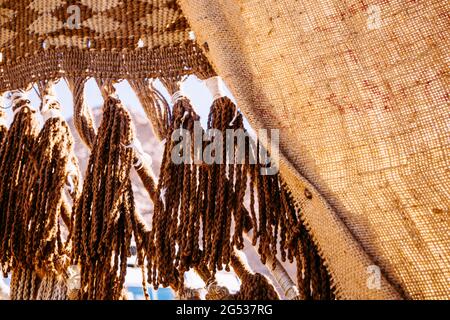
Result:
361,97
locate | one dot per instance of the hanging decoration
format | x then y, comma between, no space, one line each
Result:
105,217
225,183
16,158
176,219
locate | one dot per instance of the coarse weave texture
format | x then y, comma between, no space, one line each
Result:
359,90
48,39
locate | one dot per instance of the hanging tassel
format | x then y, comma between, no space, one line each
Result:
273,215
225,185
53,170
313,278
105,217
176,219
41,252
269,210
281,229
156,108
15,156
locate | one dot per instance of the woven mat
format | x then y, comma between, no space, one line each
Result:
120,39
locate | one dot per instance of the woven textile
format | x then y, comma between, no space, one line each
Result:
43,39
359,90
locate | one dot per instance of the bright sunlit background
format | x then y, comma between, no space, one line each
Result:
193,88
201,100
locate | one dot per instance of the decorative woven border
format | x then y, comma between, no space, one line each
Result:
170,62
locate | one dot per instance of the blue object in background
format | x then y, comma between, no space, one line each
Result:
136,293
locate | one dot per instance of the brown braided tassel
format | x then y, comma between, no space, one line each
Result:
176,219
313,278
223,188
105,217
53,164
15,156
277,226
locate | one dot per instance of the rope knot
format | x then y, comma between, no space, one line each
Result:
140,154
50,106
178,95
216,87
19,99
